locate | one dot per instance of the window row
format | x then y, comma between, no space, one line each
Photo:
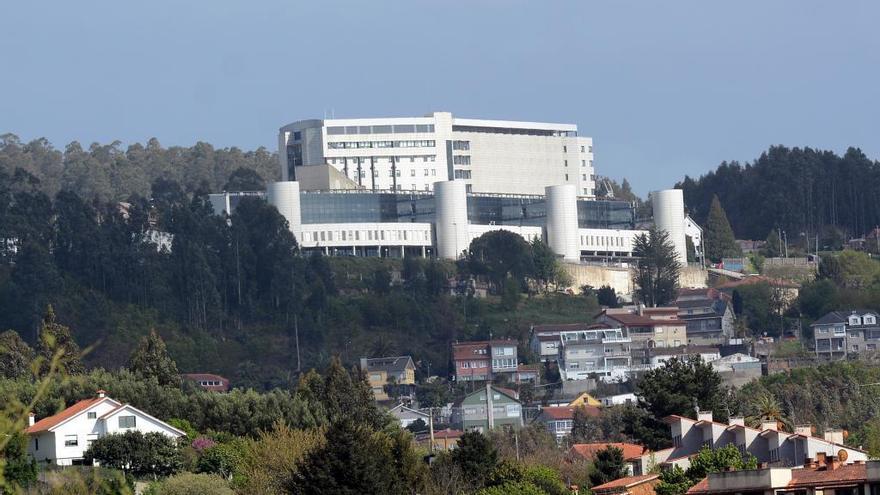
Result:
602,240
461,160
583,149
379,129
367,235
345,145
461,145
428,172
365,161
462,174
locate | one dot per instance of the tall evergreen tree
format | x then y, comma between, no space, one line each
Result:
720,241
656,276
15,355
151,360
608,466
55,340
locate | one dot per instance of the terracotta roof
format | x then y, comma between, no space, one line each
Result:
558,413
446,434
588,450
204,376
466,350
50,422
627,482
821,477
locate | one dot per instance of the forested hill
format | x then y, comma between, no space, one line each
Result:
107,172
792,189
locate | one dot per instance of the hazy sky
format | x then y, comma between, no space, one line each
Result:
664,88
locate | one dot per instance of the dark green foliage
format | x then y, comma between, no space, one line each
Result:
141,454
656,277
357,461
342,394
15,355
475,456
792,189
417,426
608,465
720,241
679,387
151,360
607,296
56,341
244,179
677,481
773,246
19,469
500,254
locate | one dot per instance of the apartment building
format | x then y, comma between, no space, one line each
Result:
597,350
839,334
648,328
708,314
545,341
483,360
767,443
412,153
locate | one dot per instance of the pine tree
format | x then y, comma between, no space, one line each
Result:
15,355
608,466
656,276
151,360
720,241
55,341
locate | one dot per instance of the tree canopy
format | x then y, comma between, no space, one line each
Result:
658,268
720,241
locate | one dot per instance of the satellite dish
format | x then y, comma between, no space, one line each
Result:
842,455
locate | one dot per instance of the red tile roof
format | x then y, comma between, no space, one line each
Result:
467,350
627,482
49,422
588,450
821,477
559,413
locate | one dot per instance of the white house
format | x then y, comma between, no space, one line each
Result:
64,437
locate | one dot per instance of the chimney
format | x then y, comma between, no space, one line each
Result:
769,425
101,394
736,421
32,418
820,459
805,430
704,416
834,436
364,365
809,462
833,462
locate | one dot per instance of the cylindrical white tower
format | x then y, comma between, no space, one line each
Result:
669,216
562,221
451,221
284,195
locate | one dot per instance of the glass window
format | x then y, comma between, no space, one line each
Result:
335,131
70,441
381,129
91,415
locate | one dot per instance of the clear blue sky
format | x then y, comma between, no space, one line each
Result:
664,88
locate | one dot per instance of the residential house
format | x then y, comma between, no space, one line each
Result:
708,314
598,350
619,399
822,475
585,399
647,328
63,437
527,373
482,361
544,341
658,356
444,440
768,444
208,381
407,416
839,334
631,485
560,420
488,408
399,371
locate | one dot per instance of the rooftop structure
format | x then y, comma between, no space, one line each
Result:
412,153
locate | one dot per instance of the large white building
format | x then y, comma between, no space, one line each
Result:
412,153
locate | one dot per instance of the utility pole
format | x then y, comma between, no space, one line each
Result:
296,337
431,426
490,415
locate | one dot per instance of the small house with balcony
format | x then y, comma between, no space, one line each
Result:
484,360
488,408
397,371
839,334
559,421
598,350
